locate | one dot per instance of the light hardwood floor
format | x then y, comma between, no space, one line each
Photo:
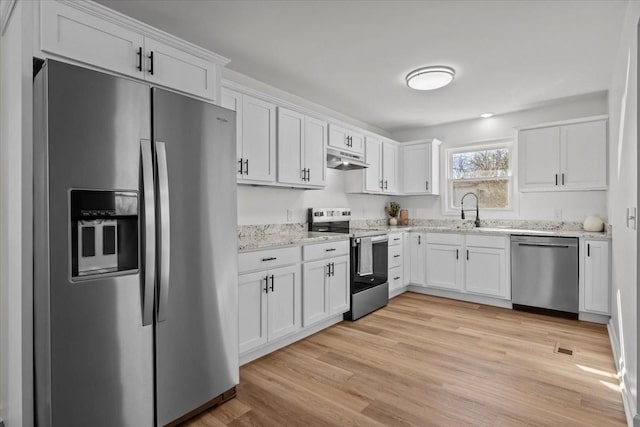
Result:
429,361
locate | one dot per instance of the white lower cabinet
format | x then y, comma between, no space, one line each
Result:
395,263
596,273
269,305
418,258
325,289
486,269
462,263
406,262
445,268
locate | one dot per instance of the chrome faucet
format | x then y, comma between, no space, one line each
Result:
477,221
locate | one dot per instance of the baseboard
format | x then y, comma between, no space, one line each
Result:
394,293
594,318
630,411
290,339
478,299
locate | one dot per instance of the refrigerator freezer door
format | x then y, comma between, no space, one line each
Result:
94,357
197,342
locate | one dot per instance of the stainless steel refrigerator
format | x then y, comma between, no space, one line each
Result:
135,281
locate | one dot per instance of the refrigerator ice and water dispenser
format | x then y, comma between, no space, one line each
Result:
104,232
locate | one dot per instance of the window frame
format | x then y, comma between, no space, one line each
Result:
447,202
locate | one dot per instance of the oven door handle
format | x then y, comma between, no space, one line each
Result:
374,239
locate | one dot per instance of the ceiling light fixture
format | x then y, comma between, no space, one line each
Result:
429,78
486,115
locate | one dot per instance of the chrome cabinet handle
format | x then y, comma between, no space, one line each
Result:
333,268
246,167
330,250
556,179
241,169
328,272
456,253
149,268
396,278
269,259
266,284
396,256
164,247
272,283
308,174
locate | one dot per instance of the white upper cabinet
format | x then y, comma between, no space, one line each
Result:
290,147
315,151
373,174
584,156
258,140
421,168
301,149
563,158
95,35
171,67
74,34
255,136
346,139
390,168
383,174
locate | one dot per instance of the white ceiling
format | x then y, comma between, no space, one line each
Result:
352,56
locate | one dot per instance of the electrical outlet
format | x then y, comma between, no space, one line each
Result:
557,214
289,215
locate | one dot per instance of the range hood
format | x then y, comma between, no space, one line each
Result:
342,160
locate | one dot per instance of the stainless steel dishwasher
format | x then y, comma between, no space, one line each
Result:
544,274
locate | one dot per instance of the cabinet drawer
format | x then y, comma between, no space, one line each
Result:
395,278
395,239
325,250
395,256
266,259
445,238
498,242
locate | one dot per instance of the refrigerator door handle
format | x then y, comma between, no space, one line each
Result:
149,272
164,244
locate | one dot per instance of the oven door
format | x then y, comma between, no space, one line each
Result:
380,247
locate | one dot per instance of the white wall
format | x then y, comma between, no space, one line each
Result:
623,161
16,353
267,205
574,206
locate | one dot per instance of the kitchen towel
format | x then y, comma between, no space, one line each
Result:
366,257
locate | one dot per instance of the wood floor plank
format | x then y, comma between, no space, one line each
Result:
429,361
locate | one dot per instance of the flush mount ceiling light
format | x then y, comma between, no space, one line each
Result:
429,78
486,115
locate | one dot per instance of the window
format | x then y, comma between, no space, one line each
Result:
484,170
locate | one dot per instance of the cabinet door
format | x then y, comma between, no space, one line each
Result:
390,174
315,292
596,276
539,158
357,142
73,34
447,270
174,68
584,156
415,167
233,101
315,152
285,301
373,174
258,139
339,292
252,310
418,259
406,262
290,143
486,271
338,137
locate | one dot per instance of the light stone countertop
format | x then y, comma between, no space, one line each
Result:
253,237
264,241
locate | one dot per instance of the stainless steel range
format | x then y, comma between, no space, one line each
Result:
369,251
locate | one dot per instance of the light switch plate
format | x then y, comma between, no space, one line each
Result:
557,214
289,215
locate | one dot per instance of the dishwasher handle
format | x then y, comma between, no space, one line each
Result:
544,245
